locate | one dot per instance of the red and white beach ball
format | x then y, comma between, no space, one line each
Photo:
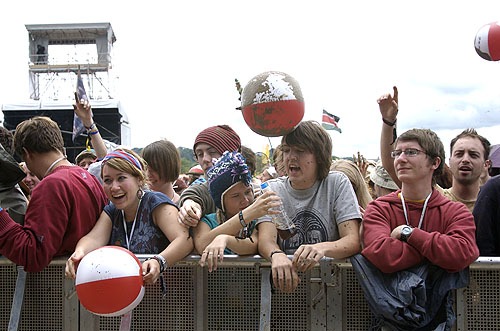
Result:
109,281
487,42
272,104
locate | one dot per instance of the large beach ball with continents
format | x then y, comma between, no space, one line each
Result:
109,281
272,104
487,42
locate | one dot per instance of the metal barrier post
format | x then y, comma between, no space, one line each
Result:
126,321
201,294
70,306
17,300
265,299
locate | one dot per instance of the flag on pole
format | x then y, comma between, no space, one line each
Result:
78,127
330,121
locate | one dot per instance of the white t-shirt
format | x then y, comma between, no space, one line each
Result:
317,211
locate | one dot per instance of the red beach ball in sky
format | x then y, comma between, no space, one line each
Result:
487,42
272,104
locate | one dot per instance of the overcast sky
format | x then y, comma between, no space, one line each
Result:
176,61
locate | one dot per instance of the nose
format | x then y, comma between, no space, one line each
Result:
114,186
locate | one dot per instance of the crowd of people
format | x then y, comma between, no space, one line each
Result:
409,214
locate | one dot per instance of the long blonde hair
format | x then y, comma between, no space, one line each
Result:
351,170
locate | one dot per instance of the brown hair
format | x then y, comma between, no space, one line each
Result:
125,165
38,134
311,136
471,133
430,143
351,170
163,157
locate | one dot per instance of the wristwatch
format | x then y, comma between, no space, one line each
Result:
405,233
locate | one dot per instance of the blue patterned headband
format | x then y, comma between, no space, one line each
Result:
118,154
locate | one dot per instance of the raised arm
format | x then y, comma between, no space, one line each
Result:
84,112
388,105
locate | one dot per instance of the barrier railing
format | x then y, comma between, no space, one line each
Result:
238,296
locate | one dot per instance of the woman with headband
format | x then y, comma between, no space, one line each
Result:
143,221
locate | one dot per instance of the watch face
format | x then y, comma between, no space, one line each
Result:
406,230
405,233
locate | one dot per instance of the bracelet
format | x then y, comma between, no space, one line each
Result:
389,123
161,261
91,127
92,132
242,220
275,252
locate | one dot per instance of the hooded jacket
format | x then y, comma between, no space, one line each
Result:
445,239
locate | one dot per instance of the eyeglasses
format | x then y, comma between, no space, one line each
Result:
409,152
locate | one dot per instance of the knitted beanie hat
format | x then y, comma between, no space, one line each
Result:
229,170
221,137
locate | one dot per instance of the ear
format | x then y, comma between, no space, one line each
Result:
436,162
26,154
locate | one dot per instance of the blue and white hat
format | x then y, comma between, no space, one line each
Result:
229,170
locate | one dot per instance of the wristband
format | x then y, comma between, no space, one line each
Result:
1,208
275,252
161,261
389,123
91,127
92,132
242,220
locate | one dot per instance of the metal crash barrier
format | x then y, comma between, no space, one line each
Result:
238,296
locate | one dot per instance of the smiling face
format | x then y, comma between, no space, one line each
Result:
237,198
121,189
467,160
300,165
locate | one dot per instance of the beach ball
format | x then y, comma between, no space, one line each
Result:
272,104
109,281
487,42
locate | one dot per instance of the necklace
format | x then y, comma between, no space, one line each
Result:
51,167
127,240
423,209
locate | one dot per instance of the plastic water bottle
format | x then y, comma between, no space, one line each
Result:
286,228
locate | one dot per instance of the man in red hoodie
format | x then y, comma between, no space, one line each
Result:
64,206
417,223
417,244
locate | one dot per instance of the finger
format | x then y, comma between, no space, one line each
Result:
395,97
221,254
288,281
145,268
295,280
215,258
203,259
210,261
276,278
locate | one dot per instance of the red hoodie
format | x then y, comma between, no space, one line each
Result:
64,207
446,238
